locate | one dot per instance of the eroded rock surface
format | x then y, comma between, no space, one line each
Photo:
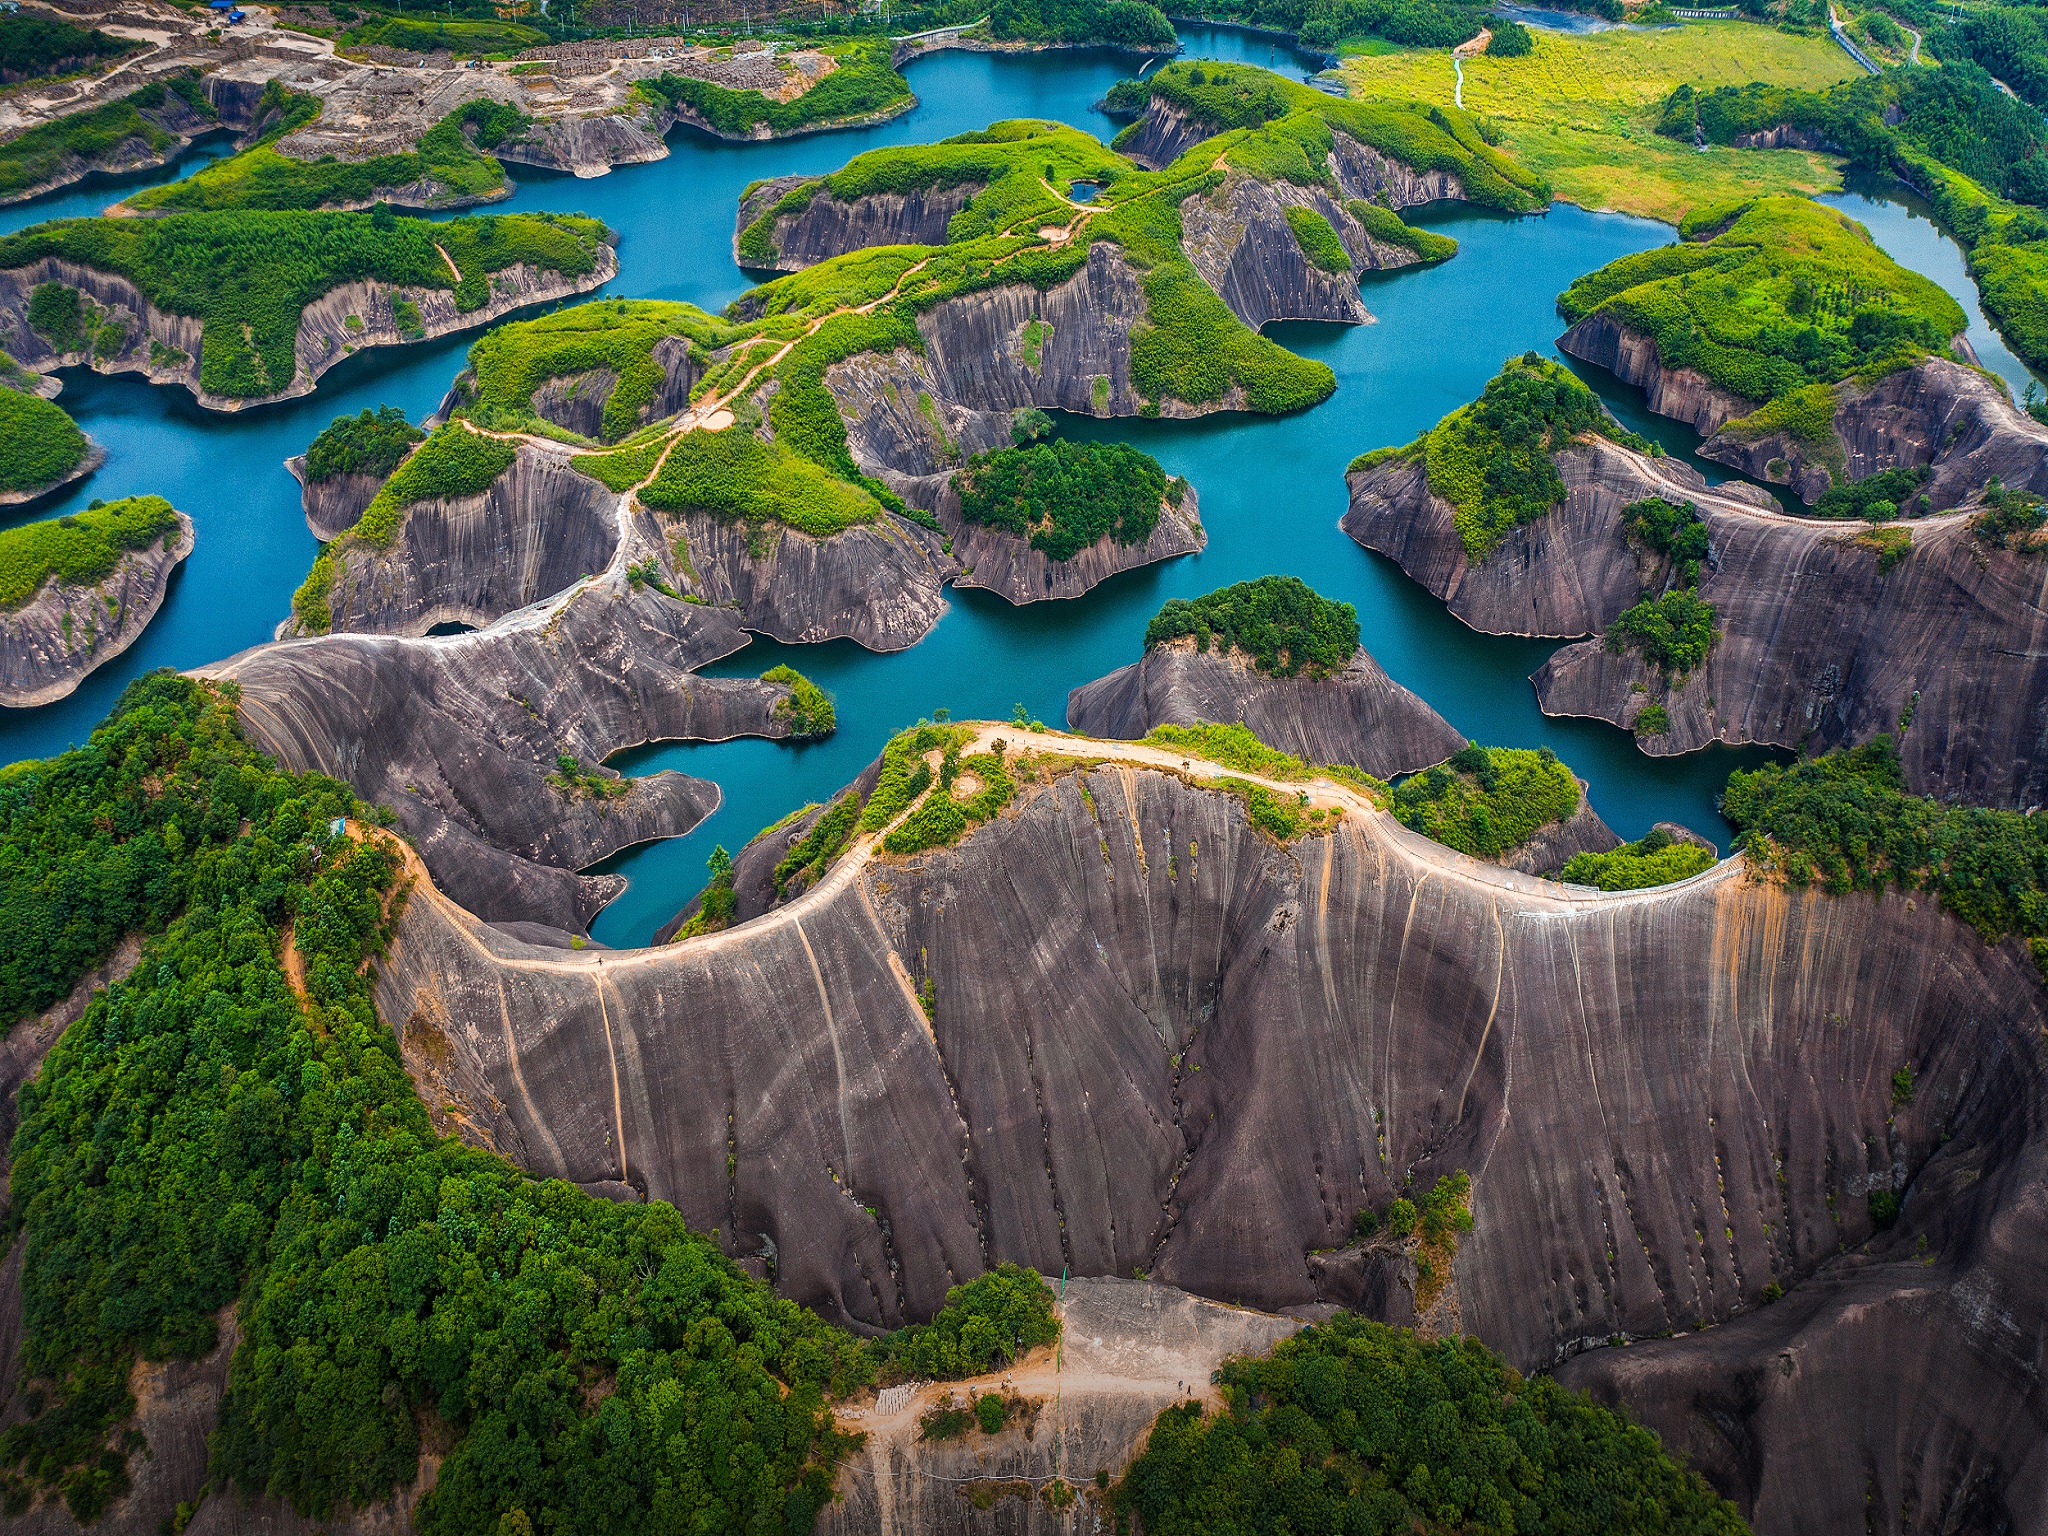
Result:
332,505
1819,647
1358,716
1213,1050
827,227
1683,393
59,637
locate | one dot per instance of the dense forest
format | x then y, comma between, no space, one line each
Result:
1063,496
35,46
1283,625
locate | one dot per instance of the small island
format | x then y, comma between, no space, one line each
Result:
76,591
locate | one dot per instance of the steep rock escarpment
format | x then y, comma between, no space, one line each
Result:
164,348
1009,567
1358,716
332,505
461,735
1566,574
1820,645
881,584
1239,240
1682,393
827,227
1937,415
1130,1349
50,644
1667,1099
539,528
576,401
589,146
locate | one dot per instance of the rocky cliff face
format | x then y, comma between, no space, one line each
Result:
1359,716
164,348
1362,171
880,584
1682,393
1820,647
1239,240
538,529
1938,415
64,633
332,505
461,734
589,146
1161,134
828,227
1014,571
1213,1050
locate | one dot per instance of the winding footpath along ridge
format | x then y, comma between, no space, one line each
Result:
905,1095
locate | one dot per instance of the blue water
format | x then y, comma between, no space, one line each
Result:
1271,490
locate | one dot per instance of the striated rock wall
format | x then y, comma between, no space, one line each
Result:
576,401
589,146
59,637
1358,716
1818,648
1162,1041
880,584
1938,414
1017,573
1161,134
828,227
165,348
333,505
1239,240
1362,171
539,528
1682,393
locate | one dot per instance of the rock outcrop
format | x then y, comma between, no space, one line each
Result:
1684,394
59,637
881,584
332,505
1239,240
173,116
1358,716
576,401
1553,844
165,348
539,528
827,227
1214,1049
1009,567
1938,415
1820,644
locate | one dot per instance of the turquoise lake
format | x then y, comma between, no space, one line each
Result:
1271,490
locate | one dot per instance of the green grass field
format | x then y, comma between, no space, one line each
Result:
1581,111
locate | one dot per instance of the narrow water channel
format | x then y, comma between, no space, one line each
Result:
1271,490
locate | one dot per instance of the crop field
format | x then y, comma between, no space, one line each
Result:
1581,111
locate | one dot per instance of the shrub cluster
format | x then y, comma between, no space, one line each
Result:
39,442
1318,239
1656,858
808,709
987,1322
904,773
1669,529
1510,40
2009,519
79,548
367,443
734,474
1879,498
946,814
1389,228
1119,23
1357,1427
1283,625
1487,801
1063,496
812,854
31,46
1674,630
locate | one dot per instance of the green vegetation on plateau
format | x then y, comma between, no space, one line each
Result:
453,462
35,46
1846,822
250,275
808,709
1487,801
39,442
80,547
1789,294
1317,239
261,177
1388,228
734,474
368,443
812,854
1673,630
203,1134
465,38
34,157
1356,1427
1655,859
1281,623
862,85
953,808
1491,460
1064,496
509,362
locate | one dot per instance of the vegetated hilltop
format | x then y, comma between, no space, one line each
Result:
1279,659
1979,156
143,128
32,47
1206,951
247,307
41,447
1768,303
1721,618
76,591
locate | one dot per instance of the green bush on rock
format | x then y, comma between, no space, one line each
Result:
79,548
1283,625
39,442
1064,496
367,443
1487,801
1654,859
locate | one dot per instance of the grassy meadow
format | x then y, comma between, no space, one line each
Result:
1581,111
